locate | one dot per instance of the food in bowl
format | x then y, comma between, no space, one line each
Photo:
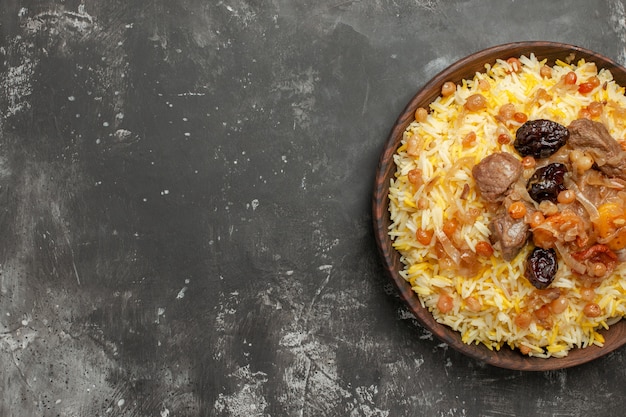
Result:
508,205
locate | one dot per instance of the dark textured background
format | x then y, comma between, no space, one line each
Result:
185,208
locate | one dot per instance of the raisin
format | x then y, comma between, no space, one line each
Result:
547,182
541,267
540,138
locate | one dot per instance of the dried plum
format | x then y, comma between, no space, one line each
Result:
540,138
547,182
541,267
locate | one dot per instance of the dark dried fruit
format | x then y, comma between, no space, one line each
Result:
547,182
541,267
540,138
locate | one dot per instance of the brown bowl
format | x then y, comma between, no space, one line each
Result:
615,337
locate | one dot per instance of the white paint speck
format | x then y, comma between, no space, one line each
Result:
254,204
121,403
165,192
181,293
71,98
122,134
160,313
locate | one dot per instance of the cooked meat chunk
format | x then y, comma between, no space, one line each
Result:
594,138
508,234
495,174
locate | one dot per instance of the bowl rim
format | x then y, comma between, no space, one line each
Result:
505,358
